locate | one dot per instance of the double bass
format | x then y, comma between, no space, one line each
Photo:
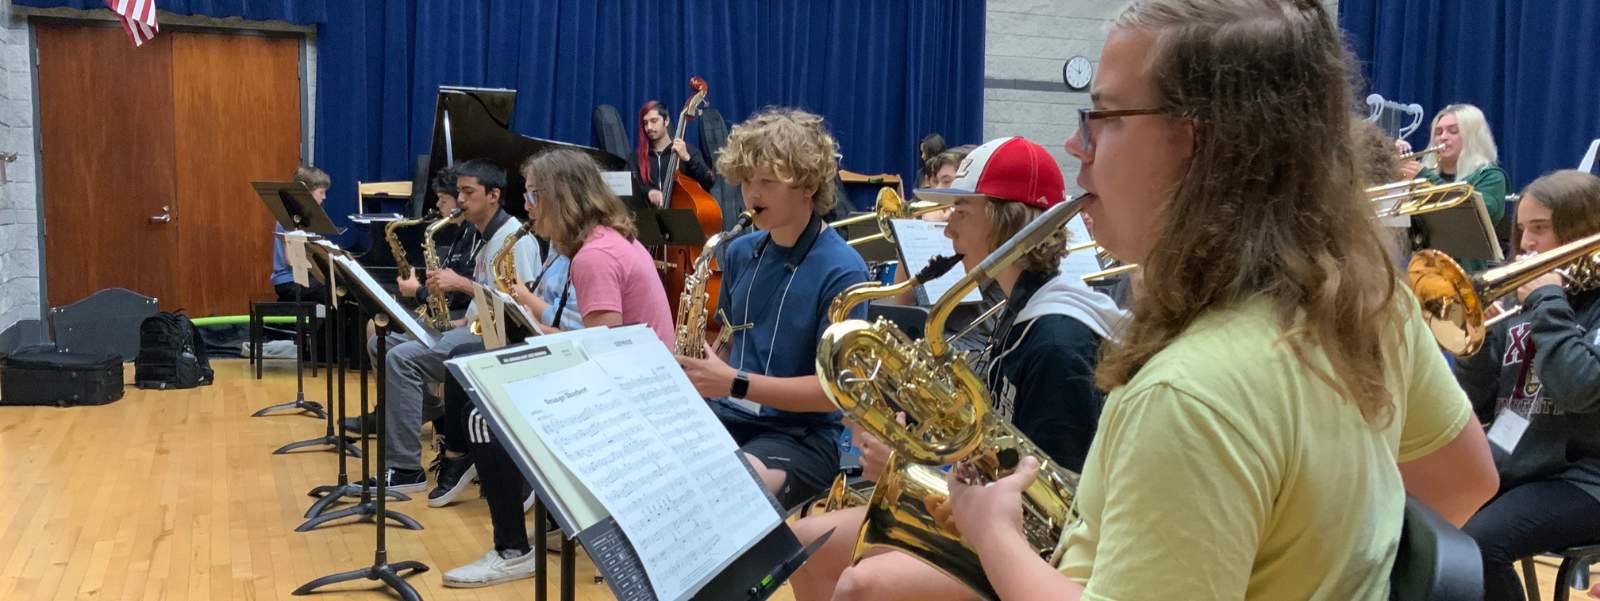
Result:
682,192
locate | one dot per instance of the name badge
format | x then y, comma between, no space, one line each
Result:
1507,430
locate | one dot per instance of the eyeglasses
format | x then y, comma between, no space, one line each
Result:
529,197
1085,116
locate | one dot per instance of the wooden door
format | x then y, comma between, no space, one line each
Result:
175,128
237,118
105,114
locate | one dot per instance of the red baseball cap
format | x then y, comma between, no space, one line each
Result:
1012,169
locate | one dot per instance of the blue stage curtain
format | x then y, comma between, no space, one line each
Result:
1530,66
882,72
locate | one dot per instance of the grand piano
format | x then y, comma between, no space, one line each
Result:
468,123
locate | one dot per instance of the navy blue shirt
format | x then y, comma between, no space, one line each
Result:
784,293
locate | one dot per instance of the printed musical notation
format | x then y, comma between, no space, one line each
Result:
632,429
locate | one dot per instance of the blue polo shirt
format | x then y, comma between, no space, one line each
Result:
784,293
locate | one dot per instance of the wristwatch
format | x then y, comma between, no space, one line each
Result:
741,385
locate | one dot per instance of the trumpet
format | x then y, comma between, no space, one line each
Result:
1412,156
1453,302
872,371
888,208
1418,197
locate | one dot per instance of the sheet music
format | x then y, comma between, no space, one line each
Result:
920,241
294,252
491,322
491,376
620,182
405,320
631,427
371,218
1081,263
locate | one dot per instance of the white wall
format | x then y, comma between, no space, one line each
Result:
1027,43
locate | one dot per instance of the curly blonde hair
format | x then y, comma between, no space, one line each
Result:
794,144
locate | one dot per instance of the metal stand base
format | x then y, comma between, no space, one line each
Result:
390,574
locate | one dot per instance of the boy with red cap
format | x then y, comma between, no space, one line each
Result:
1041,361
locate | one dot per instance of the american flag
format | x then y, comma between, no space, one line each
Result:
138,17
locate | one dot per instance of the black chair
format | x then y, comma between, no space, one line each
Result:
1573,572
1436,561
259,311
1507,228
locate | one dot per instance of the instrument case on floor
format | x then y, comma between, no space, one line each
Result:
42,375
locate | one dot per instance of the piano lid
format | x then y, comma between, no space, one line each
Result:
478,124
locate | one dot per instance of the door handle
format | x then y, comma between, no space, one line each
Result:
164,217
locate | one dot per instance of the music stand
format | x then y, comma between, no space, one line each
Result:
660,227
373,300
1463,231
292,205
319,255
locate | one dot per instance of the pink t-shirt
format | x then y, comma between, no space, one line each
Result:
613,273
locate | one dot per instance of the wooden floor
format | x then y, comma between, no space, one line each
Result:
175,495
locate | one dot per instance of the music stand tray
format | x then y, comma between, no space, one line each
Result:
293,207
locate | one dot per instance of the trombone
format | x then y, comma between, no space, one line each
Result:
1102,254
1418,197
1453,302
889,207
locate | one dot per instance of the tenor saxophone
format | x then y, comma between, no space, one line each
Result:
691,329
438,302
873,371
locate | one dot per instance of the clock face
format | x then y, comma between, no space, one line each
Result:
1077,73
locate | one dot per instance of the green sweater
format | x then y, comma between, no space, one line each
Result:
1489,181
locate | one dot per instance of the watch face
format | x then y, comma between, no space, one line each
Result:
1077,73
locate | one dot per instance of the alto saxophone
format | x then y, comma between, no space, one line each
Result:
390,233
873,371
504,269
438,302
691,332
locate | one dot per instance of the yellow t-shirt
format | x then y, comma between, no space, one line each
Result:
1227,470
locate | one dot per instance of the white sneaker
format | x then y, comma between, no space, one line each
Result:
495,567
553,539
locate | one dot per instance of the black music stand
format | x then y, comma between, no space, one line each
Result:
392,575
1463,231
322,262
365,509
658,227
292,205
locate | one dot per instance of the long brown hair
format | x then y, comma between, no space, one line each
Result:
574,198
1269,206
1573,198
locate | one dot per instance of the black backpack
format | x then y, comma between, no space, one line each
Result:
171,354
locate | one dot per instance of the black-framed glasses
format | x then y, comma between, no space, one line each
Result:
1087,115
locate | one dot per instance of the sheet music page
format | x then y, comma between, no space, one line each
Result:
515,311
492,377
920,241
1076,265
493,337
632,429
405,319
620,182
294,252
